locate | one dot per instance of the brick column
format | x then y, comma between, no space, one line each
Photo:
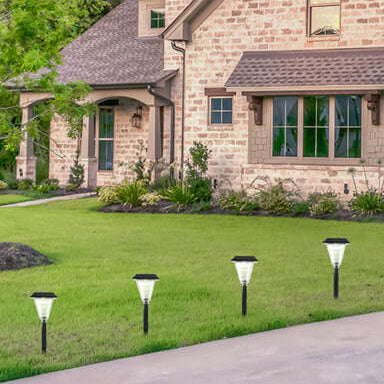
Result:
26,161
87,152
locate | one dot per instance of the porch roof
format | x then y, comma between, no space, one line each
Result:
347,68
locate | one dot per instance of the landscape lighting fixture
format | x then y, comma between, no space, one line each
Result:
145,284
43,302
336,249
244,267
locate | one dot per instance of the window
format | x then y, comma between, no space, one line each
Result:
157,19
317,127
221,110
348,126
324,17
106,133
285,126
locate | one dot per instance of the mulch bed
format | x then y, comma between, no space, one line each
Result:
14,256
166,207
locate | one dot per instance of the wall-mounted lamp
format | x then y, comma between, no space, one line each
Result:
136,117
346,189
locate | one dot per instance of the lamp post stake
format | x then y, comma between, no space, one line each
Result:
146,310
336,283
44,336
244,304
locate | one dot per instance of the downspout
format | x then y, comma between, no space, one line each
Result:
182,51
172,133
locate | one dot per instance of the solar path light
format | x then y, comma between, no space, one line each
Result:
145,285
244,267
43,302
336,249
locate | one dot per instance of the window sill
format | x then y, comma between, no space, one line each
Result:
220,127
105,172
324,38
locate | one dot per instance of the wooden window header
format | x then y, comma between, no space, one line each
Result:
212,92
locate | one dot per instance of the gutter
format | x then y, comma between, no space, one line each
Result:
172,133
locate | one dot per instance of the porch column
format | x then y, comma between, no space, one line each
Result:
26,161
154,139
87,152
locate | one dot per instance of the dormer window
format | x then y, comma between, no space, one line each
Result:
324,17
157,19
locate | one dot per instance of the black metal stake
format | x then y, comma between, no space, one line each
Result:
244,302
146,308
336,283
44,336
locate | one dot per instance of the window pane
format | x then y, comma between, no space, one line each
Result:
278,142
221,110
355,142
292,111
291,143
341,142
106,123
325,20
106,155
309,142
354,111
341,103
227,104
309,111
227,118
216,104
216,117
279,112
322,142
157,19
323,111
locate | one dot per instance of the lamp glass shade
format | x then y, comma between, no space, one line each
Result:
146,285
244,267
336,249
43,303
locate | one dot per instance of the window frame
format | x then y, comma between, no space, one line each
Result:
330,3
331,159
210,123
158,11
98,139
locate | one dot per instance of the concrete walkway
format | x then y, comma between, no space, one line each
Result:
345,351
49,200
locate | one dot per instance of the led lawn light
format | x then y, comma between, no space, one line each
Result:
145,285
336,249
43,302
244,267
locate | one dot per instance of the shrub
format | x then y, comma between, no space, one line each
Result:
70,187
13,184
237,202
25,185
150,199
367,203
109,195
323,203
201,188
202,206
3,185
162,184
277,199
131,194
181,195
77,174
47,185
302,207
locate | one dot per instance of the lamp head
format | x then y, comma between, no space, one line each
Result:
145,284
336,248
244,267
43,302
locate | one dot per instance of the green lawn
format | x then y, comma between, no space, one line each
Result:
98,313
13,199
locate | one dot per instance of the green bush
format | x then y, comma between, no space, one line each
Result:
367,203
150,199
276,199
202,206
3,185
109,195
181,195
25,185
237,202
162,184
70,187
13,184
47,185
77,174
323,203
302,207
131,194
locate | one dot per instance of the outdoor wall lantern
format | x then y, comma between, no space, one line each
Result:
145,285
136,117
336,249
43,302
244,267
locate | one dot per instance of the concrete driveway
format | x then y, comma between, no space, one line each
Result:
345,351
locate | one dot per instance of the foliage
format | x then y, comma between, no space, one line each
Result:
367,203
277,199
109,195
77,174
162,184
237,202
150,199
202,206
322,203
131,193
25,185
70,187
3,185
13,184
181,195
302,208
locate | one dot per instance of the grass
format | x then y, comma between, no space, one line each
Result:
98,314
13,199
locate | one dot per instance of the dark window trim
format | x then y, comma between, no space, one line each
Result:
212,92
210,110
101,139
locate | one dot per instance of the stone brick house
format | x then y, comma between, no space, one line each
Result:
279,88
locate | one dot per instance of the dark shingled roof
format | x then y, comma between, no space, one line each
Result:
110,53
309,68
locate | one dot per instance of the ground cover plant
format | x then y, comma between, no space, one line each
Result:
98,313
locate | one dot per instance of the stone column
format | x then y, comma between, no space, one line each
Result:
154,139
87,152
26,161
